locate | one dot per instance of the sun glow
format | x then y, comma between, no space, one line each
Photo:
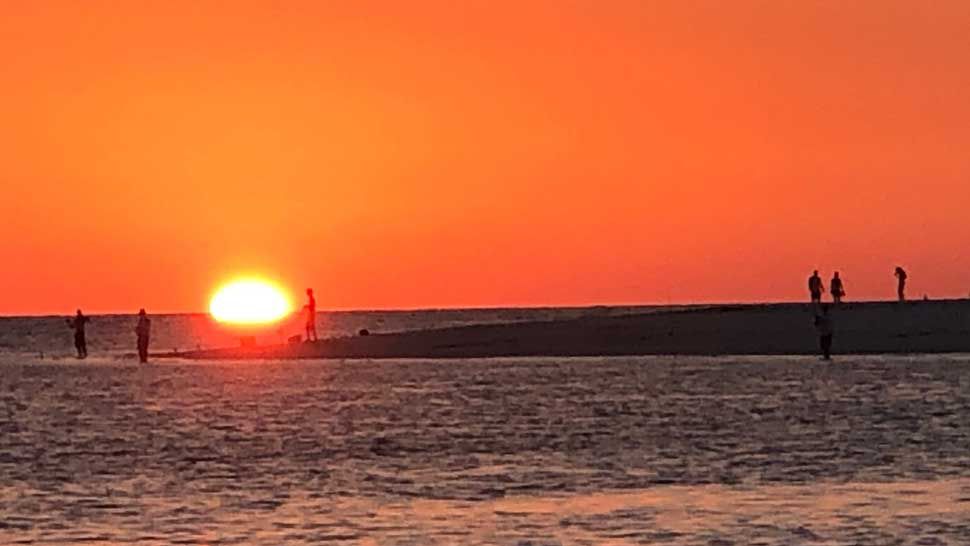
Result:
250,301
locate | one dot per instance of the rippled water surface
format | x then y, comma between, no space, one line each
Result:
652,450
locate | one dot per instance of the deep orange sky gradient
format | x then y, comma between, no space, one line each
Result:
439,154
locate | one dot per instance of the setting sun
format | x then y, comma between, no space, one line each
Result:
250,301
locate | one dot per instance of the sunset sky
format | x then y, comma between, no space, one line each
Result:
439,154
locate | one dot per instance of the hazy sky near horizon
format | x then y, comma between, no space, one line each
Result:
440,153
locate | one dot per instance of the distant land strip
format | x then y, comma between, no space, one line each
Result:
939,326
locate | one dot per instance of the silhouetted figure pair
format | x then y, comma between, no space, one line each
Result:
837,288
901,287
826,330
80,341
311,316
815,287
143,331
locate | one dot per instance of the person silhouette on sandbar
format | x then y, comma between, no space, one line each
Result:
80,341
311,316
826,330
143,331
901,286
815,287
837,288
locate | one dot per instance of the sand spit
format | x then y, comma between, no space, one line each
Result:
861,328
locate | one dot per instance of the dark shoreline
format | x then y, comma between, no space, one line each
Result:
782,328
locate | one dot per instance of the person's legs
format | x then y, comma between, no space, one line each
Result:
826,342
143,350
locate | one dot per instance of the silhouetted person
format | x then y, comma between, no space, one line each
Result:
815,287
80,342
825,329
836,288
144,331
901,287
311,316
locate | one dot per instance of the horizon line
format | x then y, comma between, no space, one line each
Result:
510,307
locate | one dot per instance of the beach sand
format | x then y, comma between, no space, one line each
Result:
787,328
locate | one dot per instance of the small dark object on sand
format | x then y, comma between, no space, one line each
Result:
364,332
293,340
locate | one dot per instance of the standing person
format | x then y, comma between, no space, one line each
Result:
311,316
144,331
825,329
901,287
80,341
836,288
815,287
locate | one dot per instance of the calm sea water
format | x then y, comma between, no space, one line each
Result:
536,451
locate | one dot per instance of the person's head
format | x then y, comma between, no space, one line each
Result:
78,312
836,274
815,273
141,312
309,291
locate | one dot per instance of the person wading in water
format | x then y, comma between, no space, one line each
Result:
144,331
825,329
80,341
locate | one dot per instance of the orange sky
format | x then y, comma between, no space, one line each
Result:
424,154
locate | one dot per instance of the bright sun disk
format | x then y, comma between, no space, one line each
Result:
249,301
